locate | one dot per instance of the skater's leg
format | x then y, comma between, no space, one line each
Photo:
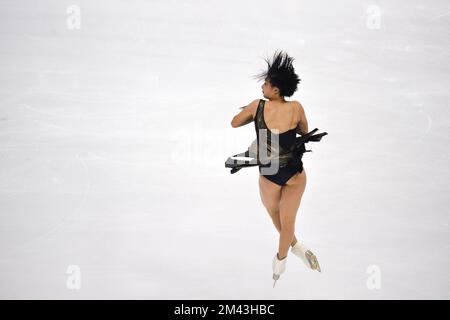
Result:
291,195
270,195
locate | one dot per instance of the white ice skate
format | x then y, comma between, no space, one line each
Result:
278,267
308,258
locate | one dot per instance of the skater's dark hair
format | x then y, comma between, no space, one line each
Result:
281,73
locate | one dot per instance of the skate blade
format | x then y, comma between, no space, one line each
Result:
318,267
312,260
275,277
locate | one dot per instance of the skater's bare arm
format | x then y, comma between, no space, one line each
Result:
246,115
302,126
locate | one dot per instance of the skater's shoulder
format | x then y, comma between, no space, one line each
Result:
297,104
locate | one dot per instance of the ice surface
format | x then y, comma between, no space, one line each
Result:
113,139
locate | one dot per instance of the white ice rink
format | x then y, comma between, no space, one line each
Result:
113,138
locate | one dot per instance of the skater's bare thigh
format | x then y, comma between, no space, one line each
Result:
270,194
291,196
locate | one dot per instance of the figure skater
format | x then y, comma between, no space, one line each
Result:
280,192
